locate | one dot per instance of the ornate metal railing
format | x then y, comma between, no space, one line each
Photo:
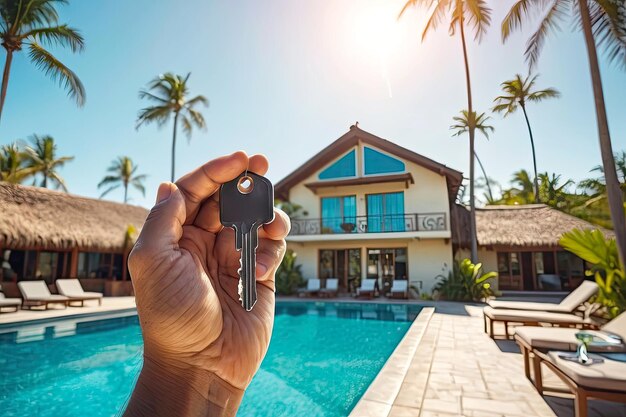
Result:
371,224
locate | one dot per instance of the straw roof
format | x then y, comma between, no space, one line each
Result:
38,217
526,225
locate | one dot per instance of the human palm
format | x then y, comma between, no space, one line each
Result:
185,272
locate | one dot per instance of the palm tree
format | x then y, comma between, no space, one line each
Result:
41,158
13,164
170,97
552,192
460,13
602,21
34,23
522,191
518,92
122,174
486,179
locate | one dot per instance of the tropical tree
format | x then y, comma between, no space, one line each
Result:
169,93
522,191
603,23
553,192
13,167
41,158
517,93
122,173
460,14
34,24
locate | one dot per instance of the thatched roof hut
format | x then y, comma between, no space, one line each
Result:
528,225
32,217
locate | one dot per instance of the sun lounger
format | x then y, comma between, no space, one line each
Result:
13,303
399,289
573,301
532,318
332,287
610,338
312,287
367,288
72,289
36,293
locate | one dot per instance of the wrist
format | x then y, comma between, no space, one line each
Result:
168,389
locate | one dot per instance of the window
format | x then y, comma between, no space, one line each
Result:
387,263
343,264
385,212
339,214
515,265
344,167
378,163
503,263
95,265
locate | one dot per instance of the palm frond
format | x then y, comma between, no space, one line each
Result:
158,114
59,35
436,17
540,95
515,17
109,179
53,68
549,23
479,17
108,190
608,21
58,180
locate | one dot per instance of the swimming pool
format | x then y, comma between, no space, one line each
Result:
322,358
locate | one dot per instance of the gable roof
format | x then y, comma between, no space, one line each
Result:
523,225
351,139
38,217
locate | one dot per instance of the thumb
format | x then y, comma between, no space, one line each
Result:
163,227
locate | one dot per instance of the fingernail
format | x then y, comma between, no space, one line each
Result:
261,269
164,192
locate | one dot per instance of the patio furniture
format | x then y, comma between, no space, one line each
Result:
367,288
612,338
569,304
535,318
332,288
399,289
72,289
36,293
312,287
13,303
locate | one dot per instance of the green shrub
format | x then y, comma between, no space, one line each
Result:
464,283
593,247
288,275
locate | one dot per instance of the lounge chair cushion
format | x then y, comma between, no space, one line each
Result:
524,316
608,375
313,285
38,291
9,302
558,338
399,285
617,326
332,284
367,285
72,288
569,304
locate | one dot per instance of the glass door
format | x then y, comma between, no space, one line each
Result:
385,212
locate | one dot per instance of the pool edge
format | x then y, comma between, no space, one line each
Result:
381,393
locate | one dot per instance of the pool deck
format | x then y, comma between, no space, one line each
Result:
444,366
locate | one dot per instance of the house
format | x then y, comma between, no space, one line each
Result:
371,209
521,243
46,234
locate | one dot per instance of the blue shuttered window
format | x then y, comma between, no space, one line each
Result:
379,163
339,214
385,212
344,167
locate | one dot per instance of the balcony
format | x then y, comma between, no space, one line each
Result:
422,222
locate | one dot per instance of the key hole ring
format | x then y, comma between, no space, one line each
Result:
245,185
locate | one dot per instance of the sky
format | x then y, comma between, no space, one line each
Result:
287,77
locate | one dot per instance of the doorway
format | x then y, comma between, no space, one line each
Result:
528,276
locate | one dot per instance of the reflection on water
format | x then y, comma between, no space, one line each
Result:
354,311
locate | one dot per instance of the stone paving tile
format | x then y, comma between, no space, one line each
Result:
399,411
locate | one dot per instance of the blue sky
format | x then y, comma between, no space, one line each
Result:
286,78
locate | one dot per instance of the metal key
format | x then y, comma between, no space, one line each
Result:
246,203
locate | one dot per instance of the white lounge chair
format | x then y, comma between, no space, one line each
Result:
367,288
332,287
72,289
36,293
9,302
575,299
399,289
312,287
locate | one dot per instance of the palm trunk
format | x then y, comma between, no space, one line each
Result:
5,79
125,193
473,242
45,180
532,145
614,193
174,145
482,168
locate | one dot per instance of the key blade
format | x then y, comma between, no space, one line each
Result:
247,271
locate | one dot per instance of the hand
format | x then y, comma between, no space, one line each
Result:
184,269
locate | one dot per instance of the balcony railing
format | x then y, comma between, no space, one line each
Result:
422,222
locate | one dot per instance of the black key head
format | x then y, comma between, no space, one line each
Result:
246,202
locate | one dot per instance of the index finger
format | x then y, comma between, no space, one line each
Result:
202,182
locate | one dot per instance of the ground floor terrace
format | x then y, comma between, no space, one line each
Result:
445,366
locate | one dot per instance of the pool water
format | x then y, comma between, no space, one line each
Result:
321,359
